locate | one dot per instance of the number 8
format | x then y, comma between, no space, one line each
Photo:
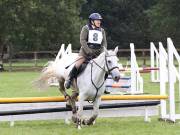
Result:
95,36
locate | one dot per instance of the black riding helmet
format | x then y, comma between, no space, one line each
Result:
94,16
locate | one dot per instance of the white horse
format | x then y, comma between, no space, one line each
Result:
90,83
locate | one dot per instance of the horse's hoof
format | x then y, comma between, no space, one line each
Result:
79,127
78,123
89,122
85,122
74,119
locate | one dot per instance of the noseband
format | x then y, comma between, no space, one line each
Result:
109,70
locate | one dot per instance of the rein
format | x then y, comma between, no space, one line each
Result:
109,71
72,63
97,88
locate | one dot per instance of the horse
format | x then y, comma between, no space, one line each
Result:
90,83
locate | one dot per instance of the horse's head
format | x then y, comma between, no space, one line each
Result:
111,64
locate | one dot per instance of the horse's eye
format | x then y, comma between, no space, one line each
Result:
109,61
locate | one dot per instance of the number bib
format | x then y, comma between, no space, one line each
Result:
95,37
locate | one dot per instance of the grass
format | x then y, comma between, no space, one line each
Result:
105,126
18,84
28,63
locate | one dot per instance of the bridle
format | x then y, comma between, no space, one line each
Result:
106,64
103,68
108,69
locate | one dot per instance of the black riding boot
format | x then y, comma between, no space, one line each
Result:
72,75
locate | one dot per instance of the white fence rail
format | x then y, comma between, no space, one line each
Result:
169,112
136,79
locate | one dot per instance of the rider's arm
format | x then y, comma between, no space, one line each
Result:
83,40
104,41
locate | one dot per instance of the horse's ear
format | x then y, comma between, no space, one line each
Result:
116,50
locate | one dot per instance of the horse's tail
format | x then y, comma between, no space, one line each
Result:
46,73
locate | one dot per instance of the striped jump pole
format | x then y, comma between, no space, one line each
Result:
62,99
141,70
122,78
118,86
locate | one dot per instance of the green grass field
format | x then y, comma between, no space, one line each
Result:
18,84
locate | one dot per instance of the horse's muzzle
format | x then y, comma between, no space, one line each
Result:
116,78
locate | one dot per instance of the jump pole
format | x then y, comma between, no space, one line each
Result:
62,99
140,69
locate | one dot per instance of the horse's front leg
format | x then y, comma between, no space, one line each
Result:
74,108
91,120
74,96
80,111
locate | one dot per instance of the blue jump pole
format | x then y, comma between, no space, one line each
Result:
122,78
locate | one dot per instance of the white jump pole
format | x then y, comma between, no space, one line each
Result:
154,58
133,71
171,81
136,79
169,73
163,75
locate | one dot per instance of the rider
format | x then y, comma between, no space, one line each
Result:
93,41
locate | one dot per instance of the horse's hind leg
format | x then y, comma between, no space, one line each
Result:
63,91
61,87
70,99
91,120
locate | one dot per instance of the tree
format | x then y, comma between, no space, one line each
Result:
125,21
165,20
39,25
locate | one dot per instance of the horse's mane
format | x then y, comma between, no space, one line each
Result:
109,52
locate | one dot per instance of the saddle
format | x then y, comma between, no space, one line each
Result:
83,67
84,64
